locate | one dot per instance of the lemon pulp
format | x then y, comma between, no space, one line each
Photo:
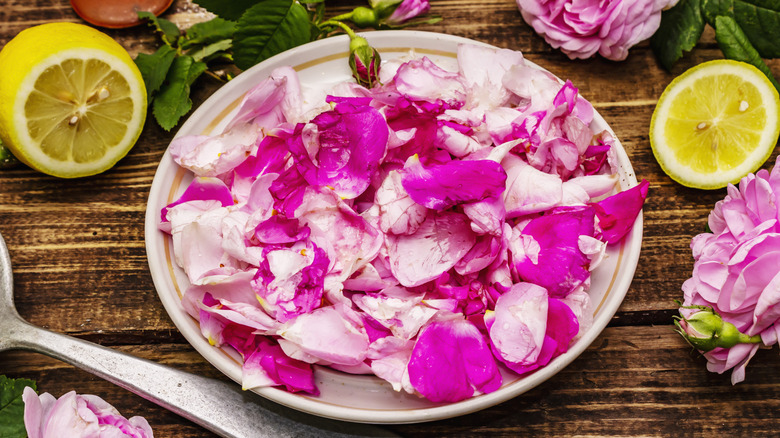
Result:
78,110
715,123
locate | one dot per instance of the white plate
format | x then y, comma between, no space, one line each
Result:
344,396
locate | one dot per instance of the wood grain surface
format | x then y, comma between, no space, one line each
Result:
80,266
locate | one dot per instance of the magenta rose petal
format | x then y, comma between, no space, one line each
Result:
350,142
202,189
557,263
269,366
444,185
618,212
450,360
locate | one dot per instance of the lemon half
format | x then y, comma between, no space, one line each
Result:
715,123
72,101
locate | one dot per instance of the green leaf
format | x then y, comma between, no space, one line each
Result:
12,407
268,28
735,45
154,68
169,31
7,159
209,32
760,20
680,29
173,101
227,9
208,52
712,8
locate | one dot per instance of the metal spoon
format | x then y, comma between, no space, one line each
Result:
218,406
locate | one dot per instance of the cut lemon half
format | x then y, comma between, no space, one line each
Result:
715,123
72,101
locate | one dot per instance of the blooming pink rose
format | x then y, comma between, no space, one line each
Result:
580,28
737,267
75,416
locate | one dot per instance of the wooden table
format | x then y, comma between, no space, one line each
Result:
80,265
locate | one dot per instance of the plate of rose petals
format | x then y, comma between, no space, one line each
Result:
434,245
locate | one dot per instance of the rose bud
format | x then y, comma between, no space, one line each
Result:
364,61
705,330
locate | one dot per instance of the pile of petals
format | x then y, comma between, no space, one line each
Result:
75,416
581,28
737,268
425,231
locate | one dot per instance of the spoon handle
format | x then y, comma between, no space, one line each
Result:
218,406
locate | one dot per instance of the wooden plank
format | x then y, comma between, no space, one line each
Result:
631,381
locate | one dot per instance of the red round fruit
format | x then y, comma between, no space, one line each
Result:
117,13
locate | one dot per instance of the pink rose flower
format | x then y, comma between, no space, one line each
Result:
580,28
737,268
75,416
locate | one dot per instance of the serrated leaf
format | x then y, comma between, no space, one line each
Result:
268,28
206,53
735,45
208,32
12,407
680,30
760,20
168,30
154,68
712,8
173,101
229,10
